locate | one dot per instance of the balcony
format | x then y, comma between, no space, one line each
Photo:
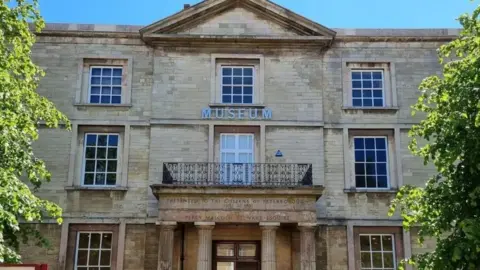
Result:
237,174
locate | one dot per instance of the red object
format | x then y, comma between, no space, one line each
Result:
37,266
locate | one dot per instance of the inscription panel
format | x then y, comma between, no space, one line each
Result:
237,209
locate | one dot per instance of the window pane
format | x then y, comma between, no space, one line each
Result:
90,152
378,102
96,71
370,155
371,168
364,243
366,260
382,168
387,243
107,72
106,90
237,90
376,243
359,143
105,257
100,179
90,165
360,168
226,71
107,240
91,139
356,84
225,250
88,180
112,140
247,99
95,80
247,250
357,102
382,156
95,90
101,165
101,152
248,80
371,182
117,72
237,99
369,143
388,260
367,84
117,90
105,100
225,265
94,99
366,75
377,259
227,80
227,90
377,75
112,153
377,84
83,240
359,155
117,81
112,166
93,257
237,71
246,265
95,240
226,99
356,75
237,80
82,257
106,81
377,93
116,99
247,90
382,181
357,93
111,178
380,143
360,182
102,140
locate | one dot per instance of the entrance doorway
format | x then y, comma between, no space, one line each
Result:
236,255
237,157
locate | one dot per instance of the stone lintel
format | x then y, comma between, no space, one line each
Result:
304,226
167,224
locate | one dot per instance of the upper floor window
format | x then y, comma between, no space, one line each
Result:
101,159
377,251
367,88
237,84
93,250
105,85
371,162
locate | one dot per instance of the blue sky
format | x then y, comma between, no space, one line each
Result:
331,13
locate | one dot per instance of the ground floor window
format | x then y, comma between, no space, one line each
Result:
236,255
378,248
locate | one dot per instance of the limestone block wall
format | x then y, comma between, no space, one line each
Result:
31,253
298,145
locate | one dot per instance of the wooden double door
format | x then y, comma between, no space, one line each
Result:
236,255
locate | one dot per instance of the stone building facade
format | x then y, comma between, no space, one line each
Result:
230,135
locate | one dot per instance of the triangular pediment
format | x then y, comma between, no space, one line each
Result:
237,18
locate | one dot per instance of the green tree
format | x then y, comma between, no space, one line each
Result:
22,110
447,209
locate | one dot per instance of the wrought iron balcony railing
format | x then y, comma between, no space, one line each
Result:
237,174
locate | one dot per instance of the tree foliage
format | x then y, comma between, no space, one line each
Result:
22,110
447,209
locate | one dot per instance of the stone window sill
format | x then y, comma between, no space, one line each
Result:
371,109
83,188
222,105
359,190
119,106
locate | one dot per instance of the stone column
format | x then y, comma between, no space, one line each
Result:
307,246
204,259
165,245
269,259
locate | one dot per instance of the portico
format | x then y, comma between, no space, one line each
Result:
232,227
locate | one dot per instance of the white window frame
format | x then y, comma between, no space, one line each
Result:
390,99
84,160
382,71
77,248
112,67
253,85
393,251
387,163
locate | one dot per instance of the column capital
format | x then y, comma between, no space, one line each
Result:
307,226
167,225
205,225
269,225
